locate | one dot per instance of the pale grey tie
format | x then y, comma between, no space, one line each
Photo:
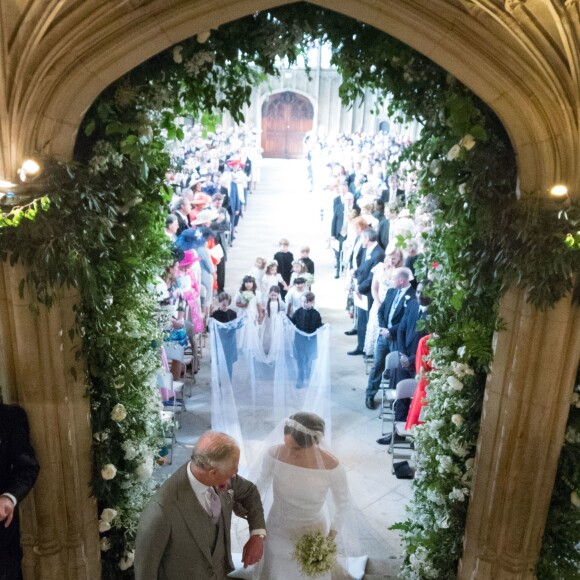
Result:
394,306
215,505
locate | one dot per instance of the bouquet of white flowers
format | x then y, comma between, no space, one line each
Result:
315,554
309,278
247,296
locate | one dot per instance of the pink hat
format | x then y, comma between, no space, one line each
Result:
189,259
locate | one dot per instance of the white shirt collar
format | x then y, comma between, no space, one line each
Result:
198,488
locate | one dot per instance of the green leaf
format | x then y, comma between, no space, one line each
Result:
90,128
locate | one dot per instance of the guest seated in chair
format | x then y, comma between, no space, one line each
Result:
411,331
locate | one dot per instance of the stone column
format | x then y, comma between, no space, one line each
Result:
527,401
59,518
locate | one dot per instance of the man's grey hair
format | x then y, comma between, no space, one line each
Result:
214,450
179,203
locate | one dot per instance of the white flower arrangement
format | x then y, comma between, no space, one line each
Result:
119,412
105,544
468,142
247,296
315,554
108,515
454,152
127,560
108,472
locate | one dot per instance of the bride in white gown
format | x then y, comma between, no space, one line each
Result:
308,489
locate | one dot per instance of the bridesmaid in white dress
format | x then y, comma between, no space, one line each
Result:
272,278
305,481
275,308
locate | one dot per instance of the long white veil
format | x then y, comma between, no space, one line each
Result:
253,391
253,396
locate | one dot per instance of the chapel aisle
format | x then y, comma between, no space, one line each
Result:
282,207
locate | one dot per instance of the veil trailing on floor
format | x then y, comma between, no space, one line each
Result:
254,396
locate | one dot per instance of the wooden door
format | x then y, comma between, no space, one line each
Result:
286,118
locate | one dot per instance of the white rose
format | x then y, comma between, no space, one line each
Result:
109,471
468,142
455,383
118,385
203,37
469,463
105,544
457,420
108,514
462,190
127,560
104,527
575,499
461,369
461,350
119,412
178,54
144,472
575,399
454,152
435,167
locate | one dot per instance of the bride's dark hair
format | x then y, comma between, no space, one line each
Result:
312,432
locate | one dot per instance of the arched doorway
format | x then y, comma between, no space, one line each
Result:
286,118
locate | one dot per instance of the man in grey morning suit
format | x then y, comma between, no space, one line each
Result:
184,531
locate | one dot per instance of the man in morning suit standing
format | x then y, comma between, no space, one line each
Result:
184,531
411,330
18,472
390,314
364,277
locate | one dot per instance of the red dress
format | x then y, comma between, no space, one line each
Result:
422,367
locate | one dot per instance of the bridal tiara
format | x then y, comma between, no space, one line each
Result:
299,427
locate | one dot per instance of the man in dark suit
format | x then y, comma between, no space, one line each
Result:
411,330
390,314
363,278
18,472
184,531
341,207
384,224
181,209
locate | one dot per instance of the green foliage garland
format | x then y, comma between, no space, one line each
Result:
100,229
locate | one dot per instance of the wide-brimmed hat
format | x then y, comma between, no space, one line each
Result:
205,216
193,238
201,199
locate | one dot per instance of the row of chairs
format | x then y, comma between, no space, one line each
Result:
184,363
401,446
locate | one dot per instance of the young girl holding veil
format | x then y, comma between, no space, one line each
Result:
304,487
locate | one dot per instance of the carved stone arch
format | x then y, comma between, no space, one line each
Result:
520,57
526,71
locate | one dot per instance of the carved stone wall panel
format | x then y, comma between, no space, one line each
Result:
59,524
527,402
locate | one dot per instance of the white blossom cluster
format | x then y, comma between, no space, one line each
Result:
104,155
444,461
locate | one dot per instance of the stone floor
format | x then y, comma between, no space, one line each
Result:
282,206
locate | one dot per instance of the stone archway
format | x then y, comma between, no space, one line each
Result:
286,118
518,56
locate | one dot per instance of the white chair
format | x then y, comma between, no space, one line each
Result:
388,390
171,391
405,390
169,426
166,379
